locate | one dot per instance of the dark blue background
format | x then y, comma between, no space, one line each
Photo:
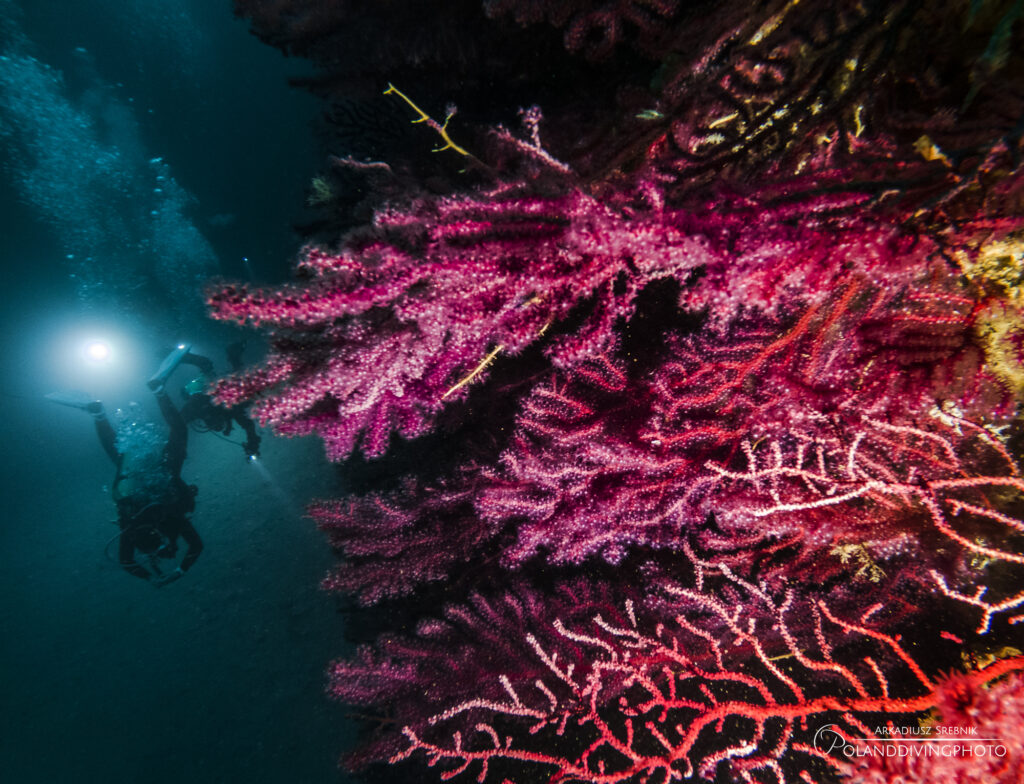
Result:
219,677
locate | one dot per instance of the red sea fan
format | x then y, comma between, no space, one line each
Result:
387,330
771,427
718,690
474,650
577,479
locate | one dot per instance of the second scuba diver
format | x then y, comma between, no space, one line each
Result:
204,415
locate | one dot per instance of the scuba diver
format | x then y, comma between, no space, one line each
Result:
204,415
153,501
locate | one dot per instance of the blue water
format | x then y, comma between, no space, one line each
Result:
145,147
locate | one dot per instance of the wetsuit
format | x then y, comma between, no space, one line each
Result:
153,521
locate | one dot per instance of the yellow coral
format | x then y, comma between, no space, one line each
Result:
440,128
930,151
999,263
979,658
858,553
1000,330
998,266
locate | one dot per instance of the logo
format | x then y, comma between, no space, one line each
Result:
829,740
935,741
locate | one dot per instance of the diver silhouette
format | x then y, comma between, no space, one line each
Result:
203,414
153,501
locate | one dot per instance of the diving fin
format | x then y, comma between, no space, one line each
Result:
171,361
75,399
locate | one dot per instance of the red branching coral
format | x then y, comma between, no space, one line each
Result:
471,652
717,686
771,430
903,471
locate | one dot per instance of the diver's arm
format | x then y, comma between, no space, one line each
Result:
195,545
126,555
252,441
239,415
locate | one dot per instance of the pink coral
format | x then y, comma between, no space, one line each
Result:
394,544
806,183
388,330
385,330
990,750
770,429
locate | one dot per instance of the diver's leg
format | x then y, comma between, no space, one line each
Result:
178,440
234,354
167,367
204,365
195,547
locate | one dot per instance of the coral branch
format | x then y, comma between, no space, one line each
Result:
934,471
655,703
977,600
439,128
393,545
